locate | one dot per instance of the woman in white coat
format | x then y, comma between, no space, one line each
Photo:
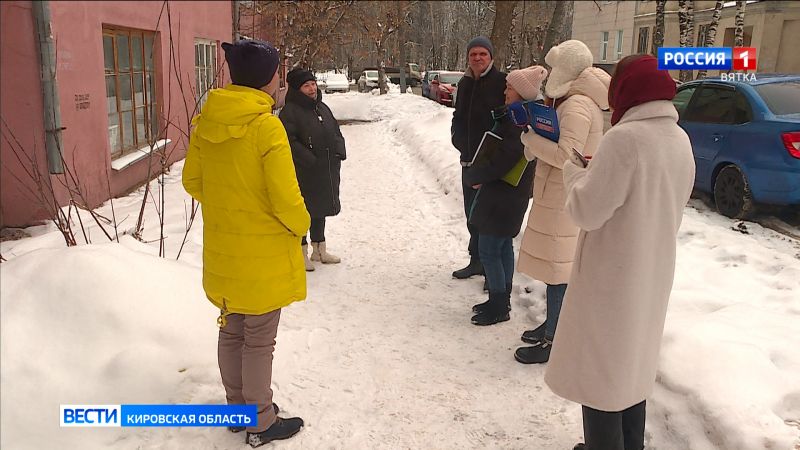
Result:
579,92
628,204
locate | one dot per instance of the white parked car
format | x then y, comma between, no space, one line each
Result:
369,80
337,82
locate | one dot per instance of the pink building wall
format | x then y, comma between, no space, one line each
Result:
20,109
77,29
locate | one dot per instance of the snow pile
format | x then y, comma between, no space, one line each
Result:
730,363
99,324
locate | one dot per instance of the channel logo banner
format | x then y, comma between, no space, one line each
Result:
695,58
158,415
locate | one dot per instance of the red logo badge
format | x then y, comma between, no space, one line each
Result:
744,58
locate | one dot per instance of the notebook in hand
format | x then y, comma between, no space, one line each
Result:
490,143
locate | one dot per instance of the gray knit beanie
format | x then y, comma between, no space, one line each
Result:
481,41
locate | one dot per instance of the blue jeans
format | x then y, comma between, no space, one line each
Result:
555,296
497,257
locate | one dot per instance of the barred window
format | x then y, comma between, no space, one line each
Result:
130,89
644,40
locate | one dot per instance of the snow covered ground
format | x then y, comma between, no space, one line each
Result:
382,354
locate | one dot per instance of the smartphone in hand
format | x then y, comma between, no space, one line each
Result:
578,158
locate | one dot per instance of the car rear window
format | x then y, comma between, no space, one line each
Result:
450,78
781,98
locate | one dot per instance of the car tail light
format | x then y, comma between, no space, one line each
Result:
791,141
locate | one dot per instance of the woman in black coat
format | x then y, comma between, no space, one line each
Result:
318,150
499,207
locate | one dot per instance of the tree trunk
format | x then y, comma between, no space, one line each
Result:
739,39
686,19
560,26
382,68
513,43
504,12
401,46
658,34
711,33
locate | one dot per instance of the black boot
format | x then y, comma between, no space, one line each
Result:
281,429
535,336
480,307
580,446
473,268
537,354
496,312
238,429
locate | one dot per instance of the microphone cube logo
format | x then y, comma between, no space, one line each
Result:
744,58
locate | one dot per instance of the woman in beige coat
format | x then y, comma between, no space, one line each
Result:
629,204
580,92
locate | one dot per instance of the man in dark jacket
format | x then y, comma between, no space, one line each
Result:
479,92
318,150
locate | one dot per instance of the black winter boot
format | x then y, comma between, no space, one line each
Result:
497,310
238,429
537,354
473,268
281,429
482,306
534,336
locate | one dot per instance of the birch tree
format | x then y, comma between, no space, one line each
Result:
739,23
658,34
686,23
711,33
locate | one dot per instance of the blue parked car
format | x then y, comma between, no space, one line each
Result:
746,140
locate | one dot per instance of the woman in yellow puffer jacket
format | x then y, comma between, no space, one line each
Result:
239,167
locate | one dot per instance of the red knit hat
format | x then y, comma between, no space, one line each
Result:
637,80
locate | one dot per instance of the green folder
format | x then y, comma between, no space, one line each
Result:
514,176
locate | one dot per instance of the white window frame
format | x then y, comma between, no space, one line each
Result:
620,37
205,68
604,46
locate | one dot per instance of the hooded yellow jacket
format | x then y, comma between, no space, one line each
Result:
239,167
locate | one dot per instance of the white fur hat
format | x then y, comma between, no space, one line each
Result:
567,59
527,82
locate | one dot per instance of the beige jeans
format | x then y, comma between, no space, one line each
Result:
245,348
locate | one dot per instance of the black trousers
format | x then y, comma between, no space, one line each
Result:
317,230
621,430
469,198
